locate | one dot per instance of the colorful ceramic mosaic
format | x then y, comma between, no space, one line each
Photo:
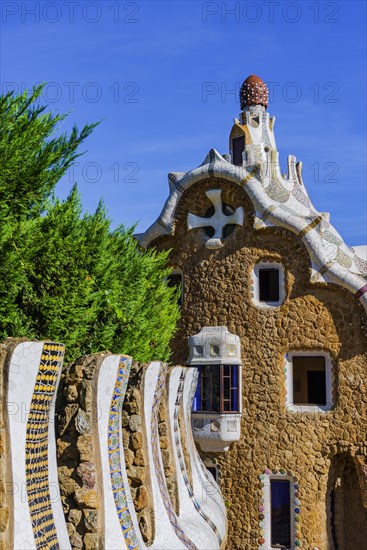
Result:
265,477
278,201
114,448
37,447
182,460
157,459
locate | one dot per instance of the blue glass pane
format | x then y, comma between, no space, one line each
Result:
234,392
280,513
235,376
196,404
234,396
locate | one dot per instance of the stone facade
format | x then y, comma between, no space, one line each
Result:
218,292
78,453
324,453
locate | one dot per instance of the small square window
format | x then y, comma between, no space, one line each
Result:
309,380
269,285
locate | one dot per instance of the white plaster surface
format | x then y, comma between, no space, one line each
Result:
192,522
361,251
165,537
106,383
205,488
215,432
22,375
217,221
203,344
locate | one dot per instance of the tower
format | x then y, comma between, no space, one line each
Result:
274,317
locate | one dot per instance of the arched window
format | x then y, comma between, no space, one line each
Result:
238,147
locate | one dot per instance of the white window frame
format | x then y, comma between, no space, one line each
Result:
329,378
265,524
267,264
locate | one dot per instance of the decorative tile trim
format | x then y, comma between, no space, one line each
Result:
182,460
37,450
157,460
310,226
114,450
250,175
264,540
318,276
361,291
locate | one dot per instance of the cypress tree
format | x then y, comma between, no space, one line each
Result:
64,275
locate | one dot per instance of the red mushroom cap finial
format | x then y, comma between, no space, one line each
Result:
254,92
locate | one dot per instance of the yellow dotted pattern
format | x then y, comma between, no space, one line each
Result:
38,490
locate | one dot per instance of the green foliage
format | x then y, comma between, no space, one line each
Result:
64,276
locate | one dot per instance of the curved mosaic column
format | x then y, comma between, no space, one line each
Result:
32,376
205,489
191,512
169,533
121,525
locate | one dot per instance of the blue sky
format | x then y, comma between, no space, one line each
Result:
161,75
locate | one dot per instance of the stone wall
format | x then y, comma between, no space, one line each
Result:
217,292
106,475
136,453
78,453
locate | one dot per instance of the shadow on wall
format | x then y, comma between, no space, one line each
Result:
346,511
